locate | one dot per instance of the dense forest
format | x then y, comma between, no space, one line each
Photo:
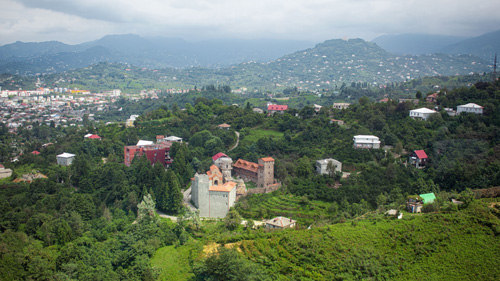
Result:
96,220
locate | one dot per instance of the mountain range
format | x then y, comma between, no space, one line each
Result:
51,57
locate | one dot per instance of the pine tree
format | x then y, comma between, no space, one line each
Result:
174,196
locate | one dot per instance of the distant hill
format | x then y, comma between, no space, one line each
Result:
336,62
415,44
484,46
329,65
158,52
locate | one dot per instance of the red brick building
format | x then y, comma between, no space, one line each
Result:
159,152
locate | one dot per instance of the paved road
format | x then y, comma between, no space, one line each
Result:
187,199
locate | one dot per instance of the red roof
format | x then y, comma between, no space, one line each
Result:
247,165
218,155
267,159
35,152
94,137
421,154
277,107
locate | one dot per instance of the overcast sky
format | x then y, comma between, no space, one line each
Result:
77,21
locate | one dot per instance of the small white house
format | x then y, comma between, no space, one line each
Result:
322,165
422,113
470,108
366,141
65,159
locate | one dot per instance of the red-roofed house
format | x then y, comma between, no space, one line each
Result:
35,152
432,98
94,137
273,108
418,158
224,126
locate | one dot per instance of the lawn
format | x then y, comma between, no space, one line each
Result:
173,263
256,134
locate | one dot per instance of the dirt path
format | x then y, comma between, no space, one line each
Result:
237,140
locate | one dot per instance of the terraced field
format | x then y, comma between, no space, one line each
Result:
304,211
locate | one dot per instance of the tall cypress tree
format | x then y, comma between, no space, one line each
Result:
175,196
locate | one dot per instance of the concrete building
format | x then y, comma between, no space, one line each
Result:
470,108
341,105
4,173
322,166
366,141
65,159
211,195
422,113
280,223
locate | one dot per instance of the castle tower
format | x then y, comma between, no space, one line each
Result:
266,172
199,193
225,165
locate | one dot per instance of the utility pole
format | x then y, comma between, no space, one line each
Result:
495,69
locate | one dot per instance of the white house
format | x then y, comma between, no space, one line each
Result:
366,141
322,165
422,113
65,159
470,108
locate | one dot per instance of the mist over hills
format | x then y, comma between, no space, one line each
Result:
484,46
158,52
415,44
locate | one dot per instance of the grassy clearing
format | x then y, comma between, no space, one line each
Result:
256,134
173,263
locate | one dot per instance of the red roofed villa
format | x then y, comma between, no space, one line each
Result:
273,108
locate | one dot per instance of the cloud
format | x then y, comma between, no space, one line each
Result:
316,20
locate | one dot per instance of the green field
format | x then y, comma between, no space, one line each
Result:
173,263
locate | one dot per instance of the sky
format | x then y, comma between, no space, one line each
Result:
78,21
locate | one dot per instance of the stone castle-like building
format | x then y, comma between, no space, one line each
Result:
214,192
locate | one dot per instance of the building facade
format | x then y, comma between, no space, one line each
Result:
211,194
322,166
366,141
422,113
65,159
418,159
159,152
261,173
470,108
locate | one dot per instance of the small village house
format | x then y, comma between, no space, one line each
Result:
65,159
418,158
280,223
366,141
224,126
322,166
422,113
470,108
276,108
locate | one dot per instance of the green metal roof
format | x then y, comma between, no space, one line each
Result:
428,197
